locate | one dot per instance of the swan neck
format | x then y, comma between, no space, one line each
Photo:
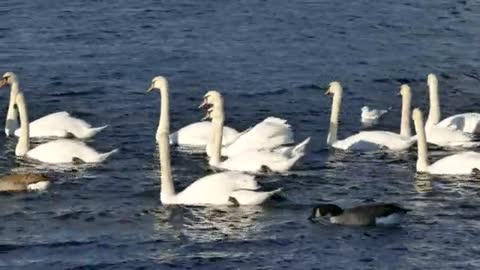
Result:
333,129
23,144
218,120
405,129
434,111
167,187
12,113
422,159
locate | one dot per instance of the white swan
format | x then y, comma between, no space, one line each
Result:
371,115
225,188
370,140
462,164
466,122
195,134
443,135
268,134
59,124
57,151
252,160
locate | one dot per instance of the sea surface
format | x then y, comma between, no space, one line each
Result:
96,58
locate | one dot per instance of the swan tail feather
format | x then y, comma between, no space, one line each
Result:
299,149
92,131
104,156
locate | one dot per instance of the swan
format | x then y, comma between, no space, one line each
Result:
362,215
464,163
371,115
268,134
195,134
466,122
441,135
252,160
226,188
57,151
59,124
18,182
370,140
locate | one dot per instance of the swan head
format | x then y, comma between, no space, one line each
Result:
334,88
158,82
213,98
365,109
8,78
404,90
325,210
417,115
432,80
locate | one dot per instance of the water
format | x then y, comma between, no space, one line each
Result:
95,59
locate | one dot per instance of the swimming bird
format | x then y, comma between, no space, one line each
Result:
271,133
59,124
250,160
363,215
371,116
464,163
226,188
56,151
20,182
195,134
370,140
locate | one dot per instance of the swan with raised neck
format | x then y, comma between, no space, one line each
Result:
11,122
225,188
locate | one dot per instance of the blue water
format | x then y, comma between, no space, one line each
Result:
95,59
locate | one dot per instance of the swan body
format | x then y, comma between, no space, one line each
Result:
370,140
451,131
57,151
459,164
250,160
268,134
227,188
197,134
371,115
466,122
59,124
19,182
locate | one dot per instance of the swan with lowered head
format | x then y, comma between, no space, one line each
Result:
251,160
464,163
370,140
57,151
195,134
466,122
271,133
59,124
227,188
363,215
20,182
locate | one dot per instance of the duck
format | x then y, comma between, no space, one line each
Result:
371,116
250,160
271,133
194,135
229,188
443,135
56,151
464,163
21,182
362,215
370,140
58,124
465,122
